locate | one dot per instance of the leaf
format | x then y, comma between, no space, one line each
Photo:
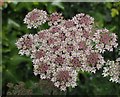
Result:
114,12
109,5
11,22
51,8
58,3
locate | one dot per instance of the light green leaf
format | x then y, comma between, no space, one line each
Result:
59,4
11,22
114,12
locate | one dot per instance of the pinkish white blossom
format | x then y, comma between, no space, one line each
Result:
112,69
43,69
35,18
64,77
82,20
94,61
67,47
25,44
55,18
106,40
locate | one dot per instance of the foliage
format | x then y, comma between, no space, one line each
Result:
19,68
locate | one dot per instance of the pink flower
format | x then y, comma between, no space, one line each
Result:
55,18
55,48
42,68
35,18
105,38
72,33
25,44
85,34
70,47
75,62
50,41
62,36
82,45
42,35
39,54
69,24
55,29
92,59
59,60
66,47
85,20
63,75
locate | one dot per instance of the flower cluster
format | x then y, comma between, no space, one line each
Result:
112,69
18,89
35,18
106,40
58,53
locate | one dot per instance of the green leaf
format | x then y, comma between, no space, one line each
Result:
12,22
114,12
59,4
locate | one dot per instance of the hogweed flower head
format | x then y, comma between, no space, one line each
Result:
83,20
25,44
55,18
35,18
64,77
107,40
42,69
66,47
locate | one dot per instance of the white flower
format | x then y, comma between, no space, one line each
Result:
57,84
112,69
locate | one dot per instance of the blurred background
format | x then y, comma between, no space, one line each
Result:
18,77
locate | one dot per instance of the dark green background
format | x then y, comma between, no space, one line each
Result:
18,68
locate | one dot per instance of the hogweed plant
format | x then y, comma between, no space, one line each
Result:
68,46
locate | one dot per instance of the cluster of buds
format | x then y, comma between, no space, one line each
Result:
68,46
